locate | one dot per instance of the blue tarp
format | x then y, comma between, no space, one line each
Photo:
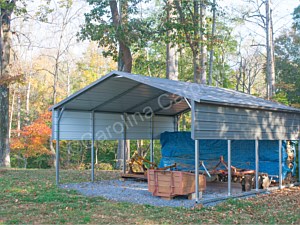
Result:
179,148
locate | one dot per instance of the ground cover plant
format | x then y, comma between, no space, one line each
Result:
31,196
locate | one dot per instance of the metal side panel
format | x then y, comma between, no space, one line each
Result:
109,126
162,124
74,125
77,125
226,122
138,126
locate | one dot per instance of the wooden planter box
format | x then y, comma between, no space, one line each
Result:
172,183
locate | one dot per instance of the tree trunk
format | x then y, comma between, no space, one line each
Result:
244,79
140,150
19,120
196,46
5,50
270,54
172,56
172,62
19,111
25,163
120,153
211,54
27,110
4,126
192,37
197,68
273,82
249,82
12,108
119,159
119,17
125,57
240,74
203,48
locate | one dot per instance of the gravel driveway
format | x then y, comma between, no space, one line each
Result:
133,191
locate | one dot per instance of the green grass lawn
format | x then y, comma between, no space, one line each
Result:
30,196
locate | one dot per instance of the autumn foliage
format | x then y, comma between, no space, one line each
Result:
34,138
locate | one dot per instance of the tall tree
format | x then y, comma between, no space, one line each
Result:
117,35
120,17
189,24
124,59
260,14
288,63
270,51
171,53
212,39
116,30
203,45
6,8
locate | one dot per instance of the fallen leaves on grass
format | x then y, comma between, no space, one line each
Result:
28,196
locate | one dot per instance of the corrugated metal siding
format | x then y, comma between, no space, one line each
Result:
74,125
225,122
109,126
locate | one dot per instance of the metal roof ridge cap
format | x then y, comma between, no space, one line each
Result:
181,93
81,91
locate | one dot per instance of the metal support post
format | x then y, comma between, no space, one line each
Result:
57,144
57,153
256,165
299,160
229,167
152,140
197,170
93,148
124,144
280,164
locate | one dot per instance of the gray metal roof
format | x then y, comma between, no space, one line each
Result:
130,93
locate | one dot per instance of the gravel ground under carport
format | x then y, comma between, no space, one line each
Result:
137,192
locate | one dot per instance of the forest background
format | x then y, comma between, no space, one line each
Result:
57,47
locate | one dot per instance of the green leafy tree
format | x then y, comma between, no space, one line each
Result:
117,29
287,66
287,50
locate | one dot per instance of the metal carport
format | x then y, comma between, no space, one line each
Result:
122,106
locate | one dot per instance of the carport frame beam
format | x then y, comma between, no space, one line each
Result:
256,164
229,166
280,163
197,170
93,148
299,160
152,139
124,143
57,145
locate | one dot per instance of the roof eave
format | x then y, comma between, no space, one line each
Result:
78,93
250,107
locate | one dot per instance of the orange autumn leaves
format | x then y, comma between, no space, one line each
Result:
34,139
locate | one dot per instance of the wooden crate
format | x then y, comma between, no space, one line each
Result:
172,183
